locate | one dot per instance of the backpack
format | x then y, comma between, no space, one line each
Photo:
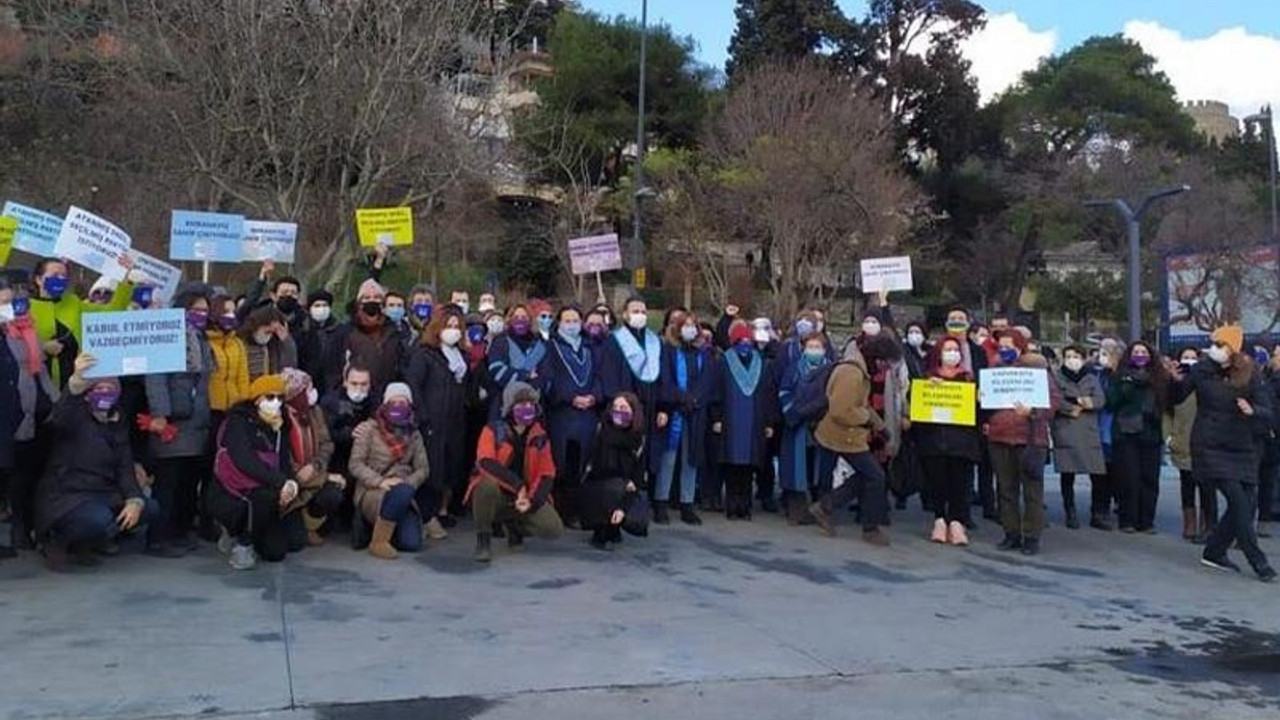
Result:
809,402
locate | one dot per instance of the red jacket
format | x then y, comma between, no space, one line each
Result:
539,465
1007,428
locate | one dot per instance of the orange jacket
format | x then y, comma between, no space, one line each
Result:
539,466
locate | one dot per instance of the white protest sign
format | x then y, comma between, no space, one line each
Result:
158,274
92,242
266,240
37,230
598,253
886,274
1003,388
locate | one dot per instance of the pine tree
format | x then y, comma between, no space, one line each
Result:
781,29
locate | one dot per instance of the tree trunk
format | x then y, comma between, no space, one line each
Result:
1030,244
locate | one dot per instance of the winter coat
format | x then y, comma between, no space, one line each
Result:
256,449
618,460
61,320
1226,444
183,399
380,351
1006,427
11,413
497,442
950,441
849,422
440,401
310,445
1177,428
87,458
1136,411
617,376
1077,443
36,392
372,462
342,417
229,376
743,418
566,374
315,340
693,402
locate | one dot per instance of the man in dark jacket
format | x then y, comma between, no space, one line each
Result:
344,409
89,493
316,337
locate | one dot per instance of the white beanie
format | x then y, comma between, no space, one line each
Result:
397,390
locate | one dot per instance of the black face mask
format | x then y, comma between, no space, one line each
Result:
287,305
371,309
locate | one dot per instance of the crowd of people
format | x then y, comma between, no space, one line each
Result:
289,425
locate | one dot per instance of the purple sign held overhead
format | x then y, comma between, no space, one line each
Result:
598,253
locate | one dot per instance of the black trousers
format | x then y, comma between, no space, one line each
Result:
1190,485
24,477
767,476
1267,477
1138,481
255,520
1099,493
868,485
177,490
1236,525
737,489
947,481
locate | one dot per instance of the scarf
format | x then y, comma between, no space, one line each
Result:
746,378
524,361
302,445
395,438
577,362
195,351
25,330
477,354
1075,377
645,362
457,363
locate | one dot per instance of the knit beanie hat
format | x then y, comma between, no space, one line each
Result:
295,382
1230,335
323,296
395,391
517,392
267,385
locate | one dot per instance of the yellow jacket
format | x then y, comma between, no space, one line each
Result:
229,380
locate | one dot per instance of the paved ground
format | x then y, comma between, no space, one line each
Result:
725,621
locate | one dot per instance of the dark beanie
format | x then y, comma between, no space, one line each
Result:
320,296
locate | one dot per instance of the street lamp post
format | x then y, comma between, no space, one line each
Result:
1133,220
637,241
1268,122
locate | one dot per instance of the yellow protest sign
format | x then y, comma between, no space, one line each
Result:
8,228
944,403
385,226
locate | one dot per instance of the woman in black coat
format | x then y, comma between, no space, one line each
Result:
439,376
89,493
617,471
1234,410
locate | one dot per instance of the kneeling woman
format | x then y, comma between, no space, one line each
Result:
389,461
89,493
320,492
255,477
617,472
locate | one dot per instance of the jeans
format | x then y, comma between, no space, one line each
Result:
868,484
1020,477
1138,481
671,459
93,522
397,507
947,481
1236,526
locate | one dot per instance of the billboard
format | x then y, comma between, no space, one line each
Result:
1204,291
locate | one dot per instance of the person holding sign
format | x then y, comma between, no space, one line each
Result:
948,446
1018,441
57,311
89,494
1077,442
1234,410
1138,396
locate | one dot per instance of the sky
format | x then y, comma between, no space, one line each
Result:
1226,50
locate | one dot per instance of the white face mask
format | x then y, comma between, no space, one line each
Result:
871,328
1219,355
464,306
270,408
915,339
321,313
496,326
313,396
951,358
6,313
486,306
262,339
451,336
357,396
689,333
1074,364
638,321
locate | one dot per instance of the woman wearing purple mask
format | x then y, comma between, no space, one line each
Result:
182,463
229,378
1137,397
617,475
89,494
389,463
514,356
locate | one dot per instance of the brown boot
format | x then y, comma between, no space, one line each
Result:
1188,523
380,544
313,525
1207,522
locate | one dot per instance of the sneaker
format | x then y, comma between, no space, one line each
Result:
226,543
939,534
876,537
168,551
1219,563
1267,575
243,557
956,535
435,529
823,519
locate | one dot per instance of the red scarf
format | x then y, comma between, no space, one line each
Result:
302,444
397,443
25,330
476,355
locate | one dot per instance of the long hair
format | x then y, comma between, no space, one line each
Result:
440,321
933,362
1156,374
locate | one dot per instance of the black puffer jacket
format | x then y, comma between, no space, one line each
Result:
1226,443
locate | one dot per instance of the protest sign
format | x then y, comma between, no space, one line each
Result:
158,274
886,274
944,403
1003,388
598,253
136,342
8,228
37,230
385,226
266,240
206,237
92,242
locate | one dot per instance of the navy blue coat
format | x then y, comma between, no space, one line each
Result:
566,374
743,418
694,401
617,377
10,405
501,372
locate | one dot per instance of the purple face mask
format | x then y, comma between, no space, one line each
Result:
228,322
622,418
198,319
525,413
103,399
520,327
1140,361
399,414
595,330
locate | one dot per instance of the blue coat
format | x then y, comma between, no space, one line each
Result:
501,370
566,374
743,417
693,401
794,468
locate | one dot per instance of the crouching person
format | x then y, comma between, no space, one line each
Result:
514,475
89,493
255,480
320,492
389,463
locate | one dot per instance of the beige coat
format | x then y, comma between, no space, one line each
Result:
371,463
847,426
319,461
1177,427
